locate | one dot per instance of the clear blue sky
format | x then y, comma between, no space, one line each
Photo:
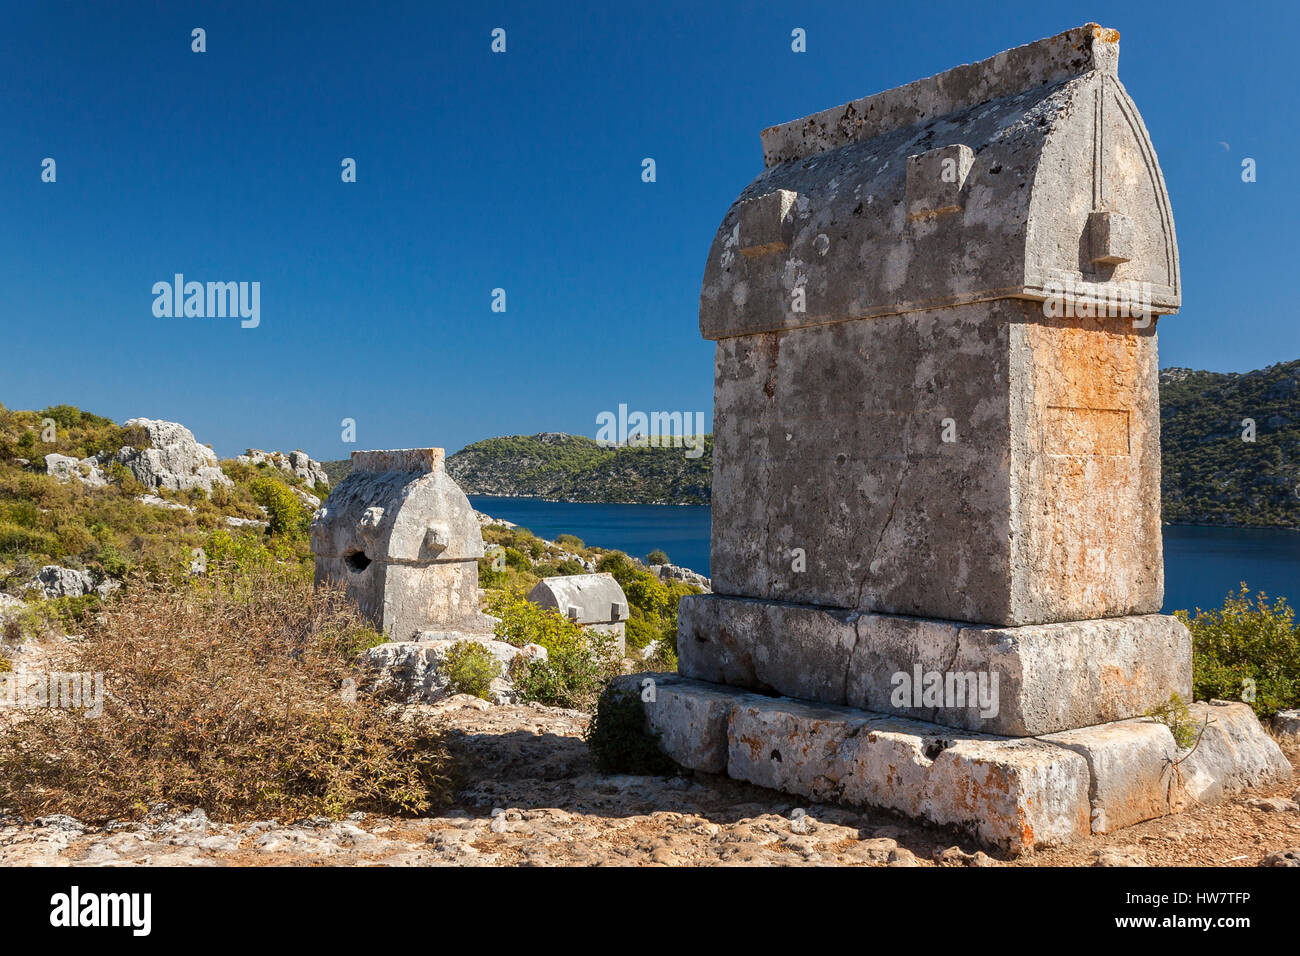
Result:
519,171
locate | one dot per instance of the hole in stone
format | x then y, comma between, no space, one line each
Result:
776,755
935,747
356,561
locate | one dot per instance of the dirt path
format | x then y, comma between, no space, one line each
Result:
533,798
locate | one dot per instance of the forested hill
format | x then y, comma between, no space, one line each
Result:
1210,475
575,468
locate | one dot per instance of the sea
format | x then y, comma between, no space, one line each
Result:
1202,565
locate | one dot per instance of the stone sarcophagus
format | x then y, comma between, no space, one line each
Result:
912,389
936,544
593,601
401,536
936,397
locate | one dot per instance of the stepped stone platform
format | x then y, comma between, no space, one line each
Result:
1043,677
1014,794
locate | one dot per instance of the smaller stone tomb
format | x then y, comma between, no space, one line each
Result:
401,536
593,601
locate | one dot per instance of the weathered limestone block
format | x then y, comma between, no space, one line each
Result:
174,460
936,487
1131,767
1012,793
1235,753
902,425
592,601
1049,677
401,536
1015,795
689,718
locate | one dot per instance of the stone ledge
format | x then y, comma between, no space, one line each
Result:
1051,677
1014,794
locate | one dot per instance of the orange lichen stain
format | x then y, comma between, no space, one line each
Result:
1104,34
1115,677
1026,833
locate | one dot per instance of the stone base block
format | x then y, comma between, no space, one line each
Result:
1012,793
1014,681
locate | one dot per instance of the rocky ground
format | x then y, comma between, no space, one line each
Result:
532,798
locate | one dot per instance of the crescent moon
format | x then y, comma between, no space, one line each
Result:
1226,147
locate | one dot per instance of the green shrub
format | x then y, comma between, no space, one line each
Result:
617,738
1177,716
517,559
488,576
657,557
579,663
285,512
1244,642
471,668
571,542
65,615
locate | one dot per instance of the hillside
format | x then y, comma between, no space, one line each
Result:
1210,475
562,467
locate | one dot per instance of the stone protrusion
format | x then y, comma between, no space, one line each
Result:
935,180
766,223
1110,238
1017,681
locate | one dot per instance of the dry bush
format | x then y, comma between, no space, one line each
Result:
226,693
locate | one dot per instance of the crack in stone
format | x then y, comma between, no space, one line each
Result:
889,516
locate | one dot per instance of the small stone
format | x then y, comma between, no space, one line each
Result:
1288,857
902,857
1119,856
1273,804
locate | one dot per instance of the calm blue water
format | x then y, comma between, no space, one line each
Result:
682,531
1201,564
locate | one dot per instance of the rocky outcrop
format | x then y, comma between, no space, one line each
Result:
294,463
88,471
1286,724
175,461
415,671
671,572
10,606
56,582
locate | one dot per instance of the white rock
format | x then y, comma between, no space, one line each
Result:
1286,723
246,523
175,460
153,501
86,470
294,463
56,582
